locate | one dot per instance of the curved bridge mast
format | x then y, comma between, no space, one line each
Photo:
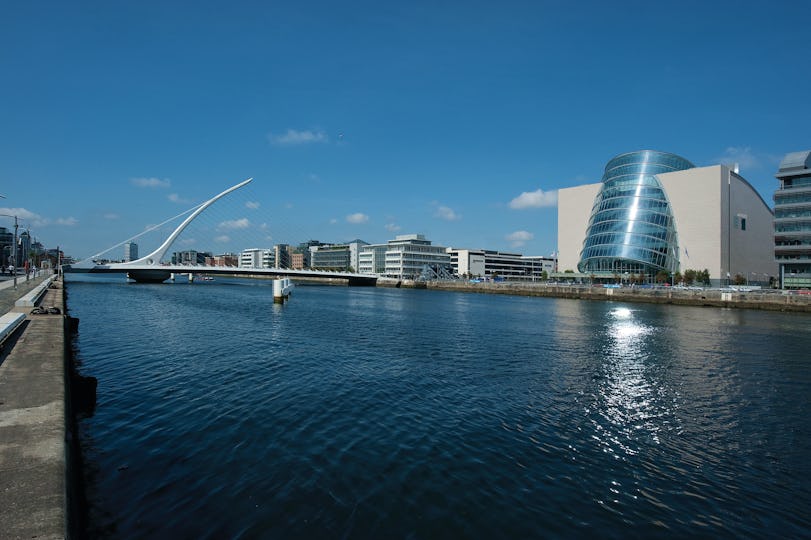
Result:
154,258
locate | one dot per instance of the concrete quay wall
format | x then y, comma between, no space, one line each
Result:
35,448
727,298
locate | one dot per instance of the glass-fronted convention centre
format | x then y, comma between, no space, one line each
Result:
632,229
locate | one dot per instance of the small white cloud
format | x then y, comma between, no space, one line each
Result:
234,224
188,241
20,213
446,213
222,239
535,199
151,182
252,205
111,216
519,238
357,218
27,218
392,227
742,155
333,221
175,198
264,227
294,137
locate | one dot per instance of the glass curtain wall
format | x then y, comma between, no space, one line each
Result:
631,230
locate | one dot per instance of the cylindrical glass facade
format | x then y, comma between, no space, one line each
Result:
631,229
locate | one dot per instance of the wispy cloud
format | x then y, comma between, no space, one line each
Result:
111,216
222,239
151,182
234,224
21,214
333,221
519,238
357,218
535,199
392,227
252,205
295,137
446,213
27,218
175,198
742,155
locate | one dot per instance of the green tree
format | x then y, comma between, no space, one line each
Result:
661,276
677,278
739,280
704,277
689,276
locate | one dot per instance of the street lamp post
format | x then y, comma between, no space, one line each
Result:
15,248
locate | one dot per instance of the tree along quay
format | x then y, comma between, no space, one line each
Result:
763,299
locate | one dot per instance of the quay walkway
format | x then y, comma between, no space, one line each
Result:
33,450
740,298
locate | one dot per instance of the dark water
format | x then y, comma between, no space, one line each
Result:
387,413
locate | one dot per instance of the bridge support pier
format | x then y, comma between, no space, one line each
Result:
149,276
362,281
281,290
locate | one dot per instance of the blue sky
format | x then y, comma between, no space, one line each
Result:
457,120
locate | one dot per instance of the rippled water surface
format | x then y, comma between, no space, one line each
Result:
390,413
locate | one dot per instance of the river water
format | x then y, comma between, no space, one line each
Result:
394,413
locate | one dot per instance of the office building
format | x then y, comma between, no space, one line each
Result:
792,221
130,251
257,258
339,257
490,264
405,257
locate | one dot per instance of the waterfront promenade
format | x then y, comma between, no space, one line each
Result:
741,298
33,494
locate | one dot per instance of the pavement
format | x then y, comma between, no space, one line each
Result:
8,295
32,419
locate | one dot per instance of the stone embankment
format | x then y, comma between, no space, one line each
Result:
766,299
35,446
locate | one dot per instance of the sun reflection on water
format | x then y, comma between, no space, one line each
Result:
630,408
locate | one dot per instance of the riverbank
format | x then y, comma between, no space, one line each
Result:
34,447
765,299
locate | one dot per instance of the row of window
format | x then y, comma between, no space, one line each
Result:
650,159
800,181
799,226
793,242
606,203
615,221
786,197
651,259
792,212
621,239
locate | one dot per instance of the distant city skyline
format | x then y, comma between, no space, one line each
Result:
367,120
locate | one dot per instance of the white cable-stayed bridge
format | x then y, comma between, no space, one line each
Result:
152,268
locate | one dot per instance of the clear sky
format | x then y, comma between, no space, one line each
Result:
457,120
